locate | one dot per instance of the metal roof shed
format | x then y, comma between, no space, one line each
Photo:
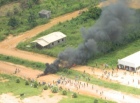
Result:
45,14
51,39
131,61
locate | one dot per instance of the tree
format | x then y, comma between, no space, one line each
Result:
95,101
32,19
13,22
94,12
36,1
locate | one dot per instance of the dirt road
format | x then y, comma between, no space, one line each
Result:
108,94
129,79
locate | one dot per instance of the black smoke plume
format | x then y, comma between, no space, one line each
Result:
109,30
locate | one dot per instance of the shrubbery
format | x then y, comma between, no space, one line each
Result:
45,87
95,101
17,81
74,95
54,89
26,83
35,85
64,92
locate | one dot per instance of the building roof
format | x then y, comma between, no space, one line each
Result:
50,38
132,60
44,12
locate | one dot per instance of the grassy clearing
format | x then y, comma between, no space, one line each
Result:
115,86
112,57
83,99
72,73
24,9
17,88
35,65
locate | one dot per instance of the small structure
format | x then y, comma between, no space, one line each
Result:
45,14
50,40
130,63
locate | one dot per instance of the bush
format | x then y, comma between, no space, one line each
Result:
95,101
17,81
64,92
74,95
35,85
46,87
54,90
26,83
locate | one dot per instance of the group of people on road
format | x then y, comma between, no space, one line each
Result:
17,70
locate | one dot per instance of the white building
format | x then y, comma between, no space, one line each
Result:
50,40
131,62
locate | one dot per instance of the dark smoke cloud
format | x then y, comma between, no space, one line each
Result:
111,28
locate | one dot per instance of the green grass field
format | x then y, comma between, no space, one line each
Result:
35,65
22,14
11,86
112,57
83,99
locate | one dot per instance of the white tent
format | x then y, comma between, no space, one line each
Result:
131,61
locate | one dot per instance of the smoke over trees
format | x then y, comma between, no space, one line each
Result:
115,27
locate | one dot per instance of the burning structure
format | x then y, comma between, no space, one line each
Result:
114,28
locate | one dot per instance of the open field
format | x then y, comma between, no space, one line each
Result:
10,86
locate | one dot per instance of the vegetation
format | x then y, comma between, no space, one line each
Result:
64,92
17,81
112,57
11,86
45,87
82,99
70,28
27,9
35,65
74,95
17,89
2,2
54,89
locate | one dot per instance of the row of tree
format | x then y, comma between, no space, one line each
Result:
23,2
14,22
